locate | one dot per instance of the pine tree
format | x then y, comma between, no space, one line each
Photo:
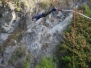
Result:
76,44
46,63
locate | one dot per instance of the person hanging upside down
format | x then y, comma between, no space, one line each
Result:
44,14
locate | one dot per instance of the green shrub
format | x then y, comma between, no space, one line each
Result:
27,62
76,45
46,63
17,54
87,10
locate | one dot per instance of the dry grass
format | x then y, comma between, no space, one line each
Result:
15,35
18,3
51,3
10,41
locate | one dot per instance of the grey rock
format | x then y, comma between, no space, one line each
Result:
40,37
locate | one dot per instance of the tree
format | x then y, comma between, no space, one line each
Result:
76,44
46,63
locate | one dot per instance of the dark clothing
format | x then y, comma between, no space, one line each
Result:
37,17
43,14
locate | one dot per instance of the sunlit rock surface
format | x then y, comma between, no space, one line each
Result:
43,35
38,38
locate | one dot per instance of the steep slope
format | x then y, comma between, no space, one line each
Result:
31,38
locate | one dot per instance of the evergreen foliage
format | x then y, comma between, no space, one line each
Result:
46,63
27,62
87,10
77,41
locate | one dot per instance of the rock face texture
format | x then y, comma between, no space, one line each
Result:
42,36
22,39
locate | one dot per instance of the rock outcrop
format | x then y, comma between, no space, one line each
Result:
25,41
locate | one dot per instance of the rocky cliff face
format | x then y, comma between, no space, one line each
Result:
25,41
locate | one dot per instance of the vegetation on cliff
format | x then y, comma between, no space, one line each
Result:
46,63
76,45
76,42
18,4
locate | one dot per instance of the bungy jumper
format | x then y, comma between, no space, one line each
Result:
44,14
